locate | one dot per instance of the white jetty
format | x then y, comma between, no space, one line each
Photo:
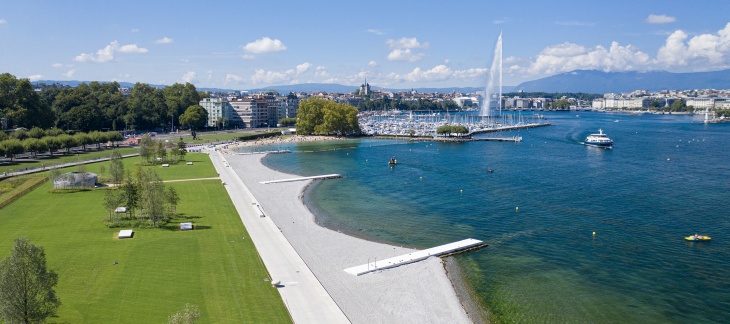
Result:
414,256
319,177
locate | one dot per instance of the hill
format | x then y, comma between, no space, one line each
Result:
302,87
592,81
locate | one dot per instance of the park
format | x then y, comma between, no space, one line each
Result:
157,272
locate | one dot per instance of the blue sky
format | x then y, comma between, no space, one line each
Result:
392,44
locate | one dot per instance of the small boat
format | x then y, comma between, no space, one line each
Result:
392,161
598,140
697,238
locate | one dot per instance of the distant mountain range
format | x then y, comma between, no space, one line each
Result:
591,81
586,81
302,87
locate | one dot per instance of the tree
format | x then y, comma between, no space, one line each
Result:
161,151
452,129
287,121
146,148
52,143
83,139
182,149
26,285
67,142
116,167
678,105
319,116
36,132
22,105
194,117
12,147
187,315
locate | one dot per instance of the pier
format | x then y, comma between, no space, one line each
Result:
319,177
446,249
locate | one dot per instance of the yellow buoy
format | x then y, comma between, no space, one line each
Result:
594,233
420,178
461,190
517,208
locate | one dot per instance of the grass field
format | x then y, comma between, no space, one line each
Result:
225,136
57,159
215,267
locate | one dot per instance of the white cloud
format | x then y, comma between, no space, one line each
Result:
698,52
132,48
69,73
376,31
321,72
406,43
3,21
57,65
500,21
660,19
404,55
35,77
401,49
189,77
135,30
568,56
261,76
268,77
304,67
248,57
373,63
232,78
438,73
106,54
264,45
164,40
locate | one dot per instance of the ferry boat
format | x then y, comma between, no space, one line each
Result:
599,140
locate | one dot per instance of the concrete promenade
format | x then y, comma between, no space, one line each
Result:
304,296
413,257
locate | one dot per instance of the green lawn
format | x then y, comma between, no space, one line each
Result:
215,267
224,136
6,166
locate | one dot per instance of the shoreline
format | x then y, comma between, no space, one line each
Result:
454,270
420,292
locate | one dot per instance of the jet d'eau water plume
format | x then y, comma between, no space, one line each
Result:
491,104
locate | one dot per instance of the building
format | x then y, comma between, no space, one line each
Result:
365,89
249,112
218,109
74,180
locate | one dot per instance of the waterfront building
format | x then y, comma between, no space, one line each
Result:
218,109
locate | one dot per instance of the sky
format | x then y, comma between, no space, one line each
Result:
391,44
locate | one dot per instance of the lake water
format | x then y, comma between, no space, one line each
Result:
667,177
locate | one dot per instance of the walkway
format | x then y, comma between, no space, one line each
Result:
413,257
304,296
319,177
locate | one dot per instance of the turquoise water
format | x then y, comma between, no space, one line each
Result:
667,177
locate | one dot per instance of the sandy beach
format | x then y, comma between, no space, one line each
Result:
420,292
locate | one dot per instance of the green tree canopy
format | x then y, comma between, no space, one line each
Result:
26,285
194,117
326,117
22,105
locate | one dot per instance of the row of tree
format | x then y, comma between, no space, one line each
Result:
316,116
399,104
449,130
93,106
51,143
152,151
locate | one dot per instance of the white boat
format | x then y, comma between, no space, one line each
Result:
599,140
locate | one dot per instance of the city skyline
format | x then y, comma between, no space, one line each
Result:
393,45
